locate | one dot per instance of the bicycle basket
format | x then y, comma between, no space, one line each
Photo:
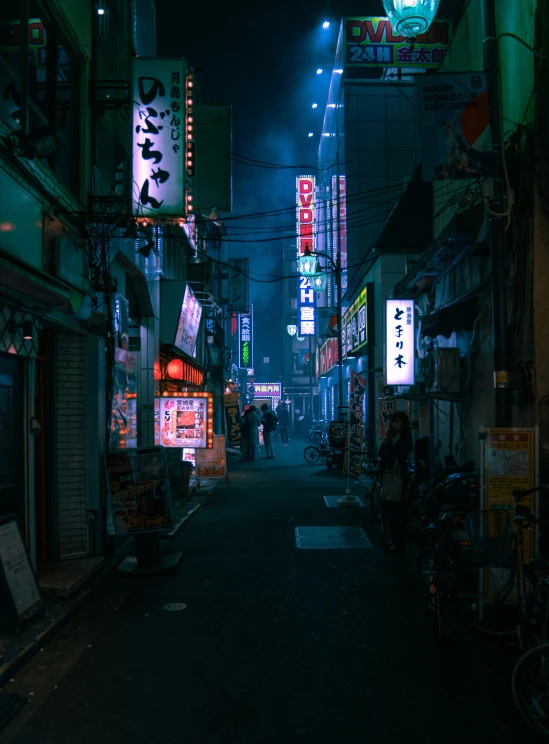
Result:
490,535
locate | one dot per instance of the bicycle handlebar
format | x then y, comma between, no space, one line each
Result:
522,493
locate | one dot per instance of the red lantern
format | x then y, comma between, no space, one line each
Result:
175,369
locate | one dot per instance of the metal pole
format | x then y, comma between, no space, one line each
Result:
497,225
339,329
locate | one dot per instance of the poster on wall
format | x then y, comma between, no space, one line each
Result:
353,455
189,323
158,137
140,498
186,420
510,465
231,403
454,126
123,434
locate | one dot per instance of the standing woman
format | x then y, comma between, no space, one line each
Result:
254,421
396,447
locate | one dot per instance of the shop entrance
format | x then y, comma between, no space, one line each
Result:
12,461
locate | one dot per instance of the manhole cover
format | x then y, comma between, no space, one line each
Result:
175,607
318,538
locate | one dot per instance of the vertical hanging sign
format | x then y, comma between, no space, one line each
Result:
245,339
239,284
400,342
306,214
158,137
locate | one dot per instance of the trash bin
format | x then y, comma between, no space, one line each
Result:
186,469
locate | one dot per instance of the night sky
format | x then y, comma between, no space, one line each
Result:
262,59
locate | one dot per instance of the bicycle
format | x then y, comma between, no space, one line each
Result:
313,452
493,596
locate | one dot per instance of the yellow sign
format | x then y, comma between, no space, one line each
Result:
510,465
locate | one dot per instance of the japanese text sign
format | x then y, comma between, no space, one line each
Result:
186,420
306,304
231,403
239,284
339,222
400,342
267,389
189,323
246,342
354,331
306,214
371,42
158,117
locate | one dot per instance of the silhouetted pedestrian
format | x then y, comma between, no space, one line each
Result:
269,425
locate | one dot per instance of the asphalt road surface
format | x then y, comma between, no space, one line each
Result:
276,644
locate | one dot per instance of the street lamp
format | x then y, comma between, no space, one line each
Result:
411,18
309,266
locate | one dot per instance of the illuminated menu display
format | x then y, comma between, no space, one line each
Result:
186,420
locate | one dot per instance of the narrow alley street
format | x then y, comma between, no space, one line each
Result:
276,644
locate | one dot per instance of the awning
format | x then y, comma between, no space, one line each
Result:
26,283
409,228
459,316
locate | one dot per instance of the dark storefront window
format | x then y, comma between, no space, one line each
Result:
51,81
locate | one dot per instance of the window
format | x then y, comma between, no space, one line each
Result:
49,71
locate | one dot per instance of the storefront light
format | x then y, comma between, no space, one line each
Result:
411,18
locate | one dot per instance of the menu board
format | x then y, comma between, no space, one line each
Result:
184,422
212,463
19,578
337,434
139,489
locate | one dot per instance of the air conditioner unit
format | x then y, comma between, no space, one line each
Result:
443,371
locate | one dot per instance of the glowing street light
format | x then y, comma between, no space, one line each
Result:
326,24
311,134
319,71
315,105
411,18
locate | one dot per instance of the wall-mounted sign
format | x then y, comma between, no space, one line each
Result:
371,42
328,355
189,323
158,116
186,420
306,214
355,333
231,402
246,339
339,221
239,284
306,307
454,126
267,390
400,342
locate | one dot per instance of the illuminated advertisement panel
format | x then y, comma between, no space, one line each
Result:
158,136
246,339
400,342
186,420
306,214
339,235
189,323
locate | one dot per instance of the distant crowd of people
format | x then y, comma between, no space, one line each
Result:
250,422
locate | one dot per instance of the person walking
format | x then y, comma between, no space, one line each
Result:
254,421
395,449
269,425
284,421
244,436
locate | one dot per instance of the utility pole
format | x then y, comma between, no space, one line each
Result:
498,250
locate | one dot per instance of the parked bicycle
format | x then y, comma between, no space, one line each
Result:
313,452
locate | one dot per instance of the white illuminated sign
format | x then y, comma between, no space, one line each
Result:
158,132
400,342
186,421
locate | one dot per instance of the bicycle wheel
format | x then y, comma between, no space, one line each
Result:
487,601
311,454
530,685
